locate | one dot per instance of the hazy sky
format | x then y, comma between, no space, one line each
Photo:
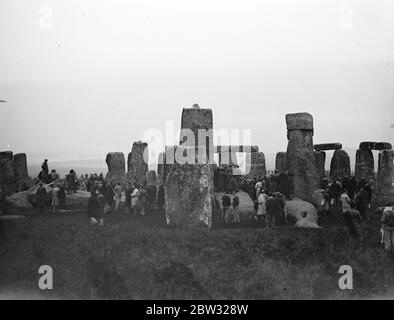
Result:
82,78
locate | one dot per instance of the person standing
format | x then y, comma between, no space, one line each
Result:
94,212
262,208
41,198
274,210
355,222
70,178
118,196
134,200
55,198
226,203
143,200
61,194
361,200
54,176
258,187
345,202
388,229
128,191
235,205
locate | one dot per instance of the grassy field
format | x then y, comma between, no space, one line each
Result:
140,258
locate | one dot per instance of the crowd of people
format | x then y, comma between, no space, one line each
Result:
105,196
351,198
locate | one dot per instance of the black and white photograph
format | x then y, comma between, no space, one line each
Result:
196,156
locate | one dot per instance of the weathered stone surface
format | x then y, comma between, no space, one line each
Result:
152,177
20,170
255,168
160,166
299,121
116,167
368,145
188,193
7,172
280,161
239,148
385,171
196,119
302,213
327,146
320,158
364,165
300,157
340,164
137,163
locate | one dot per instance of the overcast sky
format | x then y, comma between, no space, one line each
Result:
82,78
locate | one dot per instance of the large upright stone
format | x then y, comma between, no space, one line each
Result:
385,171
320,158
20,170
160,166
116,167
300,157
364,167
280,161
256,166
7,172
152,177
199,122
189,194
137,163
340,164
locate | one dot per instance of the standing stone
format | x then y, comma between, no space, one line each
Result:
255,166
340,164
116,167
20,170
320,158
385,171
189,194
7,172
196,119
152,177
137,163
160,166
280,161
364,165
300,157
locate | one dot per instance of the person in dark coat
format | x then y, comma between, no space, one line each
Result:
274,210
235,207
128,191
61,194
226,203
45,167
355,222
109,195
94,210
42,198
361,200
71,183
